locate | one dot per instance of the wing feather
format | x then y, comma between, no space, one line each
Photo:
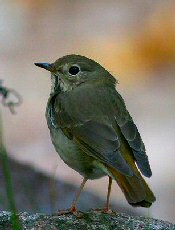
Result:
91,125
101,141
132,135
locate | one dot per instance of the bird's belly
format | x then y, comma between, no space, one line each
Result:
75,157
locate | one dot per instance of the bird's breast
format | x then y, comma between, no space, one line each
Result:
68,149
75,157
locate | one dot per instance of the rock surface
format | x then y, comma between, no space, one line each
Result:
90,220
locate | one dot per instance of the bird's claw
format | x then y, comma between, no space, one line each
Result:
103,210
72,210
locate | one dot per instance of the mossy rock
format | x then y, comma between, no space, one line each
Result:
91,220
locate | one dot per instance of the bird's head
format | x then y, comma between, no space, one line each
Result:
73,70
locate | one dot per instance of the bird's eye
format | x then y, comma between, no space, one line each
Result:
74,70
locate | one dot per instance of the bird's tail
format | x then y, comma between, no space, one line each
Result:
135,189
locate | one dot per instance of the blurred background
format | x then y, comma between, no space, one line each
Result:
135,41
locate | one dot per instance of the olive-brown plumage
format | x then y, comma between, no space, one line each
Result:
92,130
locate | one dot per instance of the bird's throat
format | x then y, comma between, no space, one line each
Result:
64,86
54,83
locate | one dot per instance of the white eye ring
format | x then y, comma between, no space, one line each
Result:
74,70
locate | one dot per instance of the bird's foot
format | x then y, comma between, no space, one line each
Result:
72,210
103,210
107,210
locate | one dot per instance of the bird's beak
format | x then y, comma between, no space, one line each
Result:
46,66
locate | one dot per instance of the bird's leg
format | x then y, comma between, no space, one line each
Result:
107,209
73,208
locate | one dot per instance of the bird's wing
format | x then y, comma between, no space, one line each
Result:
132,135
95,137
101,141
82,117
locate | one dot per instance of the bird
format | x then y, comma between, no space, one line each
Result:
92,130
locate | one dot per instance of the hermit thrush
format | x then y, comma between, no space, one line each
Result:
92,130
